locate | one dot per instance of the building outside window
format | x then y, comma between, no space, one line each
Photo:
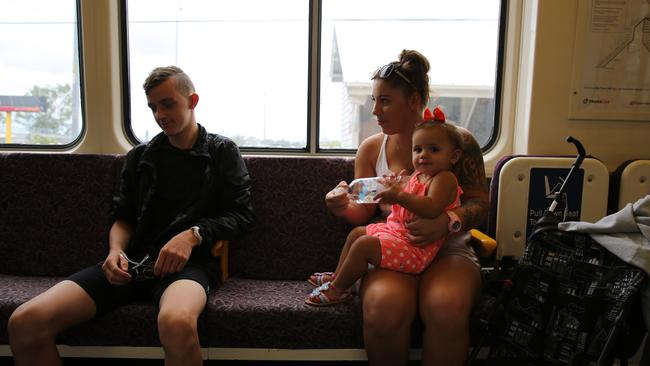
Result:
40,93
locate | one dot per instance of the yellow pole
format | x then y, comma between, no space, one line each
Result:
8,129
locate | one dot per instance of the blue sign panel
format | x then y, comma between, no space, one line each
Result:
544,182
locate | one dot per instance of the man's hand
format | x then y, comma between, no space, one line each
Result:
115,268
337,199
424,231
174,255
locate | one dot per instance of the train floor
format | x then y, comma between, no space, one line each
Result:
7,361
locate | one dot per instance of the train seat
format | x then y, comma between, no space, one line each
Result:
628,183
520,191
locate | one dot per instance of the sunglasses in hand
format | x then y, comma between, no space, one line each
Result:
140,271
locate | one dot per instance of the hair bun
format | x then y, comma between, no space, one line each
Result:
415,60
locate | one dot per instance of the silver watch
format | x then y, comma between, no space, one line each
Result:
196,231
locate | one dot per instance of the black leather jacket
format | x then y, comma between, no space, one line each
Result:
223,210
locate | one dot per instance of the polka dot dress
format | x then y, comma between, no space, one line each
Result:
397,253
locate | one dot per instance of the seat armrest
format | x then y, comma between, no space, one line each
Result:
220,249
483,244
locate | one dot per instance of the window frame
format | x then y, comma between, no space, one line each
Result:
312,146
82,100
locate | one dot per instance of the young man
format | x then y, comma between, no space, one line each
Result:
179,193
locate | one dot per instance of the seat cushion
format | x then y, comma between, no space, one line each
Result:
130,325
273,314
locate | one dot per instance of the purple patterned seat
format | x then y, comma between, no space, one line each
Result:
54,220
262,305
245,313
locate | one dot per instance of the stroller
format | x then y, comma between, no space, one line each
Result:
567,300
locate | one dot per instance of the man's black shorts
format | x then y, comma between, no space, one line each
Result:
108,297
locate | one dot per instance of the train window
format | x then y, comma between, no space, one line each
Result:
40,93
248,60
460,38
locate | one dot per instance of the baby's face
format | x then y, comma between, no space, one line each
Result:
433,151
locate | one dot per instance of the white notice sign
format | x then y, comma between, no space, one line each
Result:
611,63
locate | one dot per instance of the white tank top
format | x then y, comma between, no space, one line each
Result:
381,168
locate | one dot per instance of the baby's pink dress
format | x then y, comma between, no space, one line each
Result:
397,253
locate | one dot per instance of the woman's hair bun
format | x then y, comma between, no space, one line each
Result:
414,60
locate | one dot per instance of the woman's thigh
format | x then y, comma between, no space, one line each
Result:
389,297
449,286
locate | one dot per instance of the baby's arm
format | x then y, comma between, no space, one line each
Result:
440,194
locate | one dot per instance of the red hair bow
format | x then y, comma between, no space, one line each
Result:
436,115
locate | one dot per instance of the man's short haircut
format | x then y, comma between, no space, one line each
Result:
160,74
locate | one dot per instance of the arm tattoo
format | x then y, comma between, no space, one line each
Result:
474,213
470,172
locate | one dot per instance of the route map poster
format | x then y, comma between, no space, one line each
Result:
611,63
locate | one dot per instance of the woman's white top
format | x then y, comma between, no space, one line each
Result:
381,168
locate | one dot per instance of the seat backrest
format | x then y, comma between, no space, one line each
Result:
294,234
628,183
521,189
55,211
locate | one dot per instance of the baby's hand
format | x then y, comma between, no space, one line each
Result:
393,186
389,195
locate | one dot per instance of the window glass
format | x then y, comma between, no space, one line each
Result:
460,39
248,60
40,99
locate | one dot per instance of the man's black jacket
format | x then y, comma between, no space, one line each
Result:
222,211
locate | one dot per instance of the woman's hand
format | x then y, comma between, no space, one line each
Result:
337,199
424,231
115,268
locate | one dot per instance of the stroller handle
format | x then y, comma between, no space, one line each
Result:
580,148
576,165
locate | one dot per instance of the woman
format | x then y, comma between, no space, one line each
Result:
445,292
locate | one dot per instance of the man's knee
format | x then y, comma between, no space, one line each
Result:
177,329
28,324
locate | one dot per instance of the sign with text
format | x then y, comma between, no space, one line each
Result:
610,79
544,182
22,103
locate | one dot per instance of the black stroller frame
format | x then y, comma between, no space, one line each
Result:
567,300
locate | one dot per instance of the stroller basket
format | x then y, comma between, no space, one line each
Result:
569,295
568,300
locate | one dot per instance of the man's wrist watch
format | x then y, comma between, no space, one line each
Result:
196,231
455,224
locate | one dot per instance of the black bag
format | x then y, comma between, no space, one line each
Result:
567,302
